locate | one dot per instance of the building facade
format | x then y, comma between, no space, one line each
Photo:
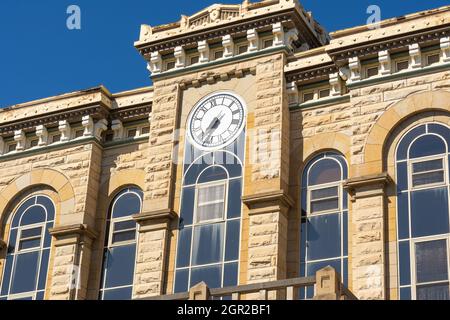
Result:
266,149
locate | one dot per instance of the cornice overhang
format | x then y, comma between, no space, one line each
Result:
370,185
278,197
96,110
233,28
341,54
130,113
311,73
73,230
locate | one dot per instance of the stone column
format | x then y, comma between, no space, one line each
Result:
267,244
385,62
355,69
151,259
415,55
19,138
71,261
368,239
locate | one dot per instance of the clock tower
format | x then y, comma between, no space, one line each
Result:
219,142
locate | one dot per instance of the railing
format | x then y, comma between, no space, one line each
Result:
327,284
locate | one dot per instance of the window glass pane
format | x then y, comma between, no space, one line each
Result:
213,193
127,204
402,149
25,273
12,241
208,244
211,275
187,206
118,294
230,162
44,269
441,130
303,240
40,295
404,263
402,176
198,166
324,237
124,225
324,193
31,233
431,261
47,236
210,212
233,238
405,293
123,236
230,276
427,165
324,205
426,146
21,210
28,244
234,199
181,280
7,275
213,174
120,266
34,214
403,215
433,292
184,247
421,179
324,171
429,212
345,231
48,204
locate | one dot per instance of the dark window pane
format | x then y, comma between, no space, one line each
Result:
211,275
433,292
303,240
402,149
324,205
48,204
324,237
345,231
429,212
187,206
181,280
405,293
324,171
40,295
127,204
120,266
184,247
208,244
345,271
230,162
34,214
214,173
431,261
234,199
427,178
324,193
427,145
7,274
404,263
402,176
21,210
403,215
118,294
44,269
233,234
25,273
124,236
230,277
197,167
427,165
31,233
47,236
28,244
12,241
124,225
441,130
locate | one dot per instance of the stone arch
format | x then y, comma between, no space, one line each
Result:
379,134
49,177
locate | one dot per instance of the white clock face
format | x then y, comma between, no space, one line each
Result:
216,121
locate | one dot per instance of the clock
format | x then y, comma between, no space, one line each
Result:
216,120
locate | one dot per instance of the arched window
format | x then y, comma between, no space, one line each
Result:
120,246
209,235
324,217
423,212
26,265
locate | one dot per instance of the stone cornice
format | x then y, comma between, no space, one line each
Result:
374,179
218,31
341,55
71,230
314,72
165,214
97,111
131,112
278,196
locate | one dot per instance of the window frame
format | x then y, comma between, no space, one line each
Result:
198,187
29,227
410,164
338,185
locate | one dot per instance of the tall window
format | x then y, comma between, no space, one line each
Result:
26,265
120,246
324,218
210,224
423,230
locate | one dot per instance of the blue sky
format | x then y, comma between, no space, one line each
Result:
40,57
